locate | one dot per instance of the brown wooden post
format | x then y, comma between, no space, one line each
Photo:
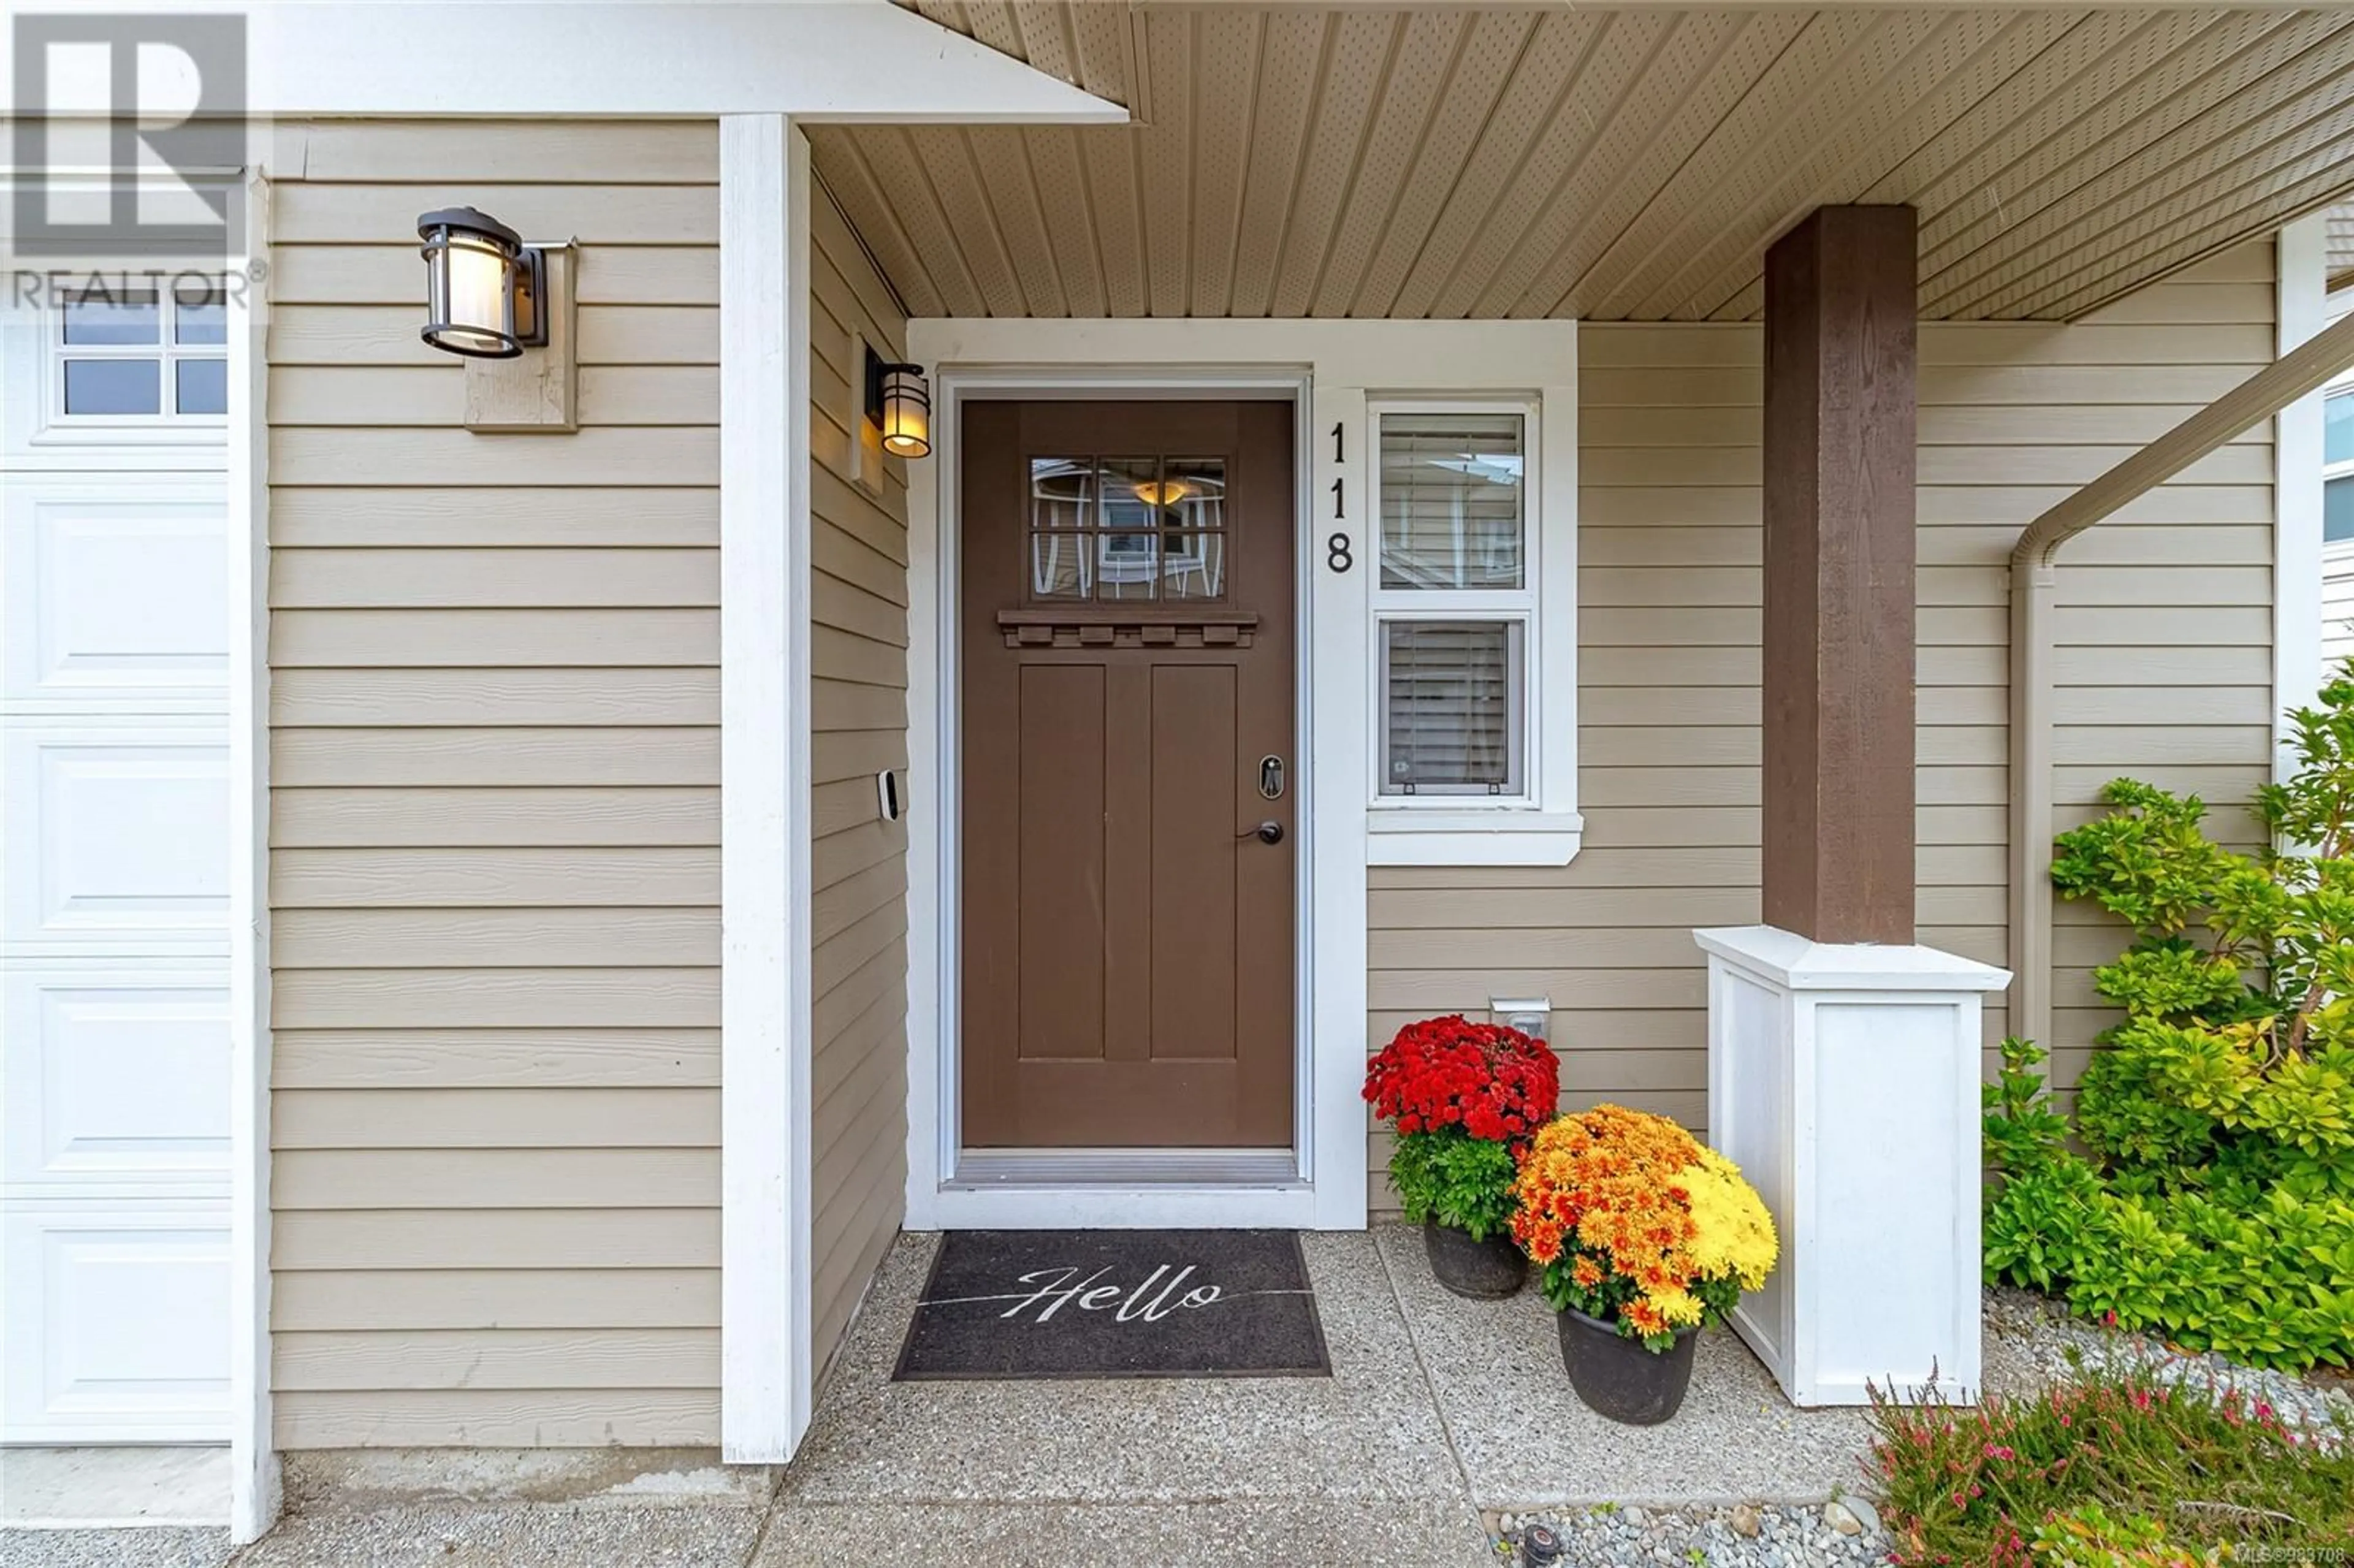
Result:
1839,636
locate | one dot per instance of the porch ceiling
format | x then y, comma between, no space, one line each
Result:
1634,165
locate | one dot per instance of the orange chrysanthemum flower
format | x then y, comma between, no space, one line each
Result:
1632,1217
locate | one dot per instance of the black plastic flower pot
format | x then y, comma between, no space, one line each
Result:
1616,1377
1483,1270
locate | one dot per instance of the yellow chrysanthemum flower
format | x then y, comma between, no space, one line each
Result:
1736,1234
1680,1307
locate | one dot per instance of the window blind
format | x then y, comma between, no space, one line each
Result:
1450,701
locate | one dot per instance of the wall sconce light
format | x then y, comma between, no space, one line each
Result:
900,404
485,290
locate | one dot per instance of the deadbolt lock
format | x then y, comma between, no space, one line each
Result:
1270,778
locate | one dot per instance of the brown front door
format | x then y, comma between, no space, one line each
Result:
1127,645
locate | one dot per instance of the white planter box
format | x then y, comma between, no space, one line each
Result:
1844,1080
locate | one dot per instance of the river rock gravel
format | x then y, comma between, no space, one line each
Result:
1610,1537
2032,1342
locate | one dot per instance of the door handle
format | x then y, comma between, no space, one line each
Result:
1268,833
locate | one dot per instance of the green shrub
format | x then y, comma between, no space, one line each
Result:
2215,1198
2119,1468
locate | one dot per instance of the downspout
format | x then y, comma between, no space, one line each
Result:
2033,576
2033,582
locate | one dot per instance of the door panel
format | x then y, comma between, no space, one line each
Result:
1127,661
114,1039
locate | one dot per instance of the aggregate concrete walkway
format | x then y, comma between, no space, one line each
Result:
1437,1409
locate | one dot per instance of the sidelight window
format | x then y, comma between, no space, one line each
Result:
1455,604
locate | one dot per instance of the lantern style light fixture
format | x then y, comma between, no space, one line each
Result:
485,290
900,404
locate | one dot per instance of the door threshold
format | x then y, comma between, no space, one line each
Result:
997,1169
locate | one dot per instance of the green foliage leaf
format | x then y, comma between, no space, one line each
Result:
1456,1180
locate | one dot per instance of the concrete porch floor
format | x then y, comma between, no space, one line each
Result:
1437,1409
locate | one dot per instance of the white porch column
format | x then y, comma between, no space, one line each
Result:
1843,1079
765,1349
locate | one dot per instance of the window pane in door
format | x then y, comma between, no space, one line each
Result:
1058,565
1127,565
2337,509
113,319
1127,491
114,387
1192,493
2337,428
1451,701
201,387
1452,496
1060,489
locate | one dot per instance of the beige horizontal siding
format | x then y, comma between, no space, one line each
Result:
858,654
495,1058
496,873
545,1417
2164,666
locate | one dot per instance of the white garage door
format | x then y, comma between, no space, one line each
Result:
113,837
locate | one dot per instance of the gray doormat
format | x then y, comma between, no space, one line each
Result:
1079,1304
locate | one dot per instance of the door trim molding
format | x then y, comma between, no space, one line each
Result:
1328,367
946,1189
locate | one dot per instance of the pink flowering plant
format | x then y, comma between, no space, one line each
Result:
2120,1466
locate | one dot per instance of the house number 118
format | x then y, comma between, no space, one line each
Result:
1337,554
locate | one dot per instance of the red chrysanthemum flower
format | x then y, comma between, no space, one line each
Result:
1493,1082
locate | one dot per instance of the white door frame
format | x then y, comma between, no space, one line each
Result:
1328,368
1174,1188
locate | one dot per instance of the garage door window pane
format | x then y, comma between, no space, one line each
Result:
113,319
1452,700
113,386
203,386
199,322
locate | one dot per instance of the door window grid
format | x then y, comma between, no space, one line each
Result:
141,358
1126,530
1454,604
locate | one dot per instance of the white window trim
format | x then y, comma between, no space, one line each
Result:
1334,365
1541,826
1524,605
2302,308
